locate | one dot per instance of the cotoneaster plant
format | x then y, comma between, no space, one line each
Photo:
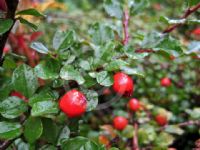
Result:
100,60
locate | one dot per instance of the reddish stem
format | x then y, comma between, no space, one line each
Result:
135,137
187,13
125,27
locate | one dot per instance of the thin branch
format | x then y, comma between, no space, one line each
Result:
6,144
183,124
187,13
11,8
135,137
125,27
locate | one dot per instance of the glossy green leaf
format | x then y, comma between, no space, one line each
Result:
10,130
48,69
103,78
44,95
33,129
172,21
32,12
69,73
80,143
5,25
174,129
63,40
164,139
92,99
12,107
44,108
101,33
29,24
24,80
50,131
63,135
115,65
137,6
39,47
132,71
128,131
113,8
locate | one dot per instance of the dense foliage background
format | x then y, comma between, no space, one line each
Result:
56,46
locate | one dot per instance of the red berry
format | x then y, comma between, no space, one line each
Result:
120,122
6,50
161,119
196,31
165,82
134,104
123,84
73,103
19,95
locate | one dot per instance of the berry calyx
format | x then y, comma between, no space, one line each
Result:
134,104
120,122
123,84
19,95
73,103
161,119
166,82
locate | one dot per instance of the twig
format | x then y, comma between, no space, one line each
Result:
6,144
184,124
187,13
135,137
11,8
125,27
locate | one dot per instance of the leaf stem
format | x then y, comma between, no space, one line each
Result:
187,13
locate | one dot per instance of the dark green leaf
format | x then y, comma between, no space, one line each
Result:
24,80
64,135
103,78
80,143
50,131
69,73
43,96
48,69
33,129
92,99
101,33
115,65
63,40
32,12
137,6
44,108
12,107
9,130
5,25
29,24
